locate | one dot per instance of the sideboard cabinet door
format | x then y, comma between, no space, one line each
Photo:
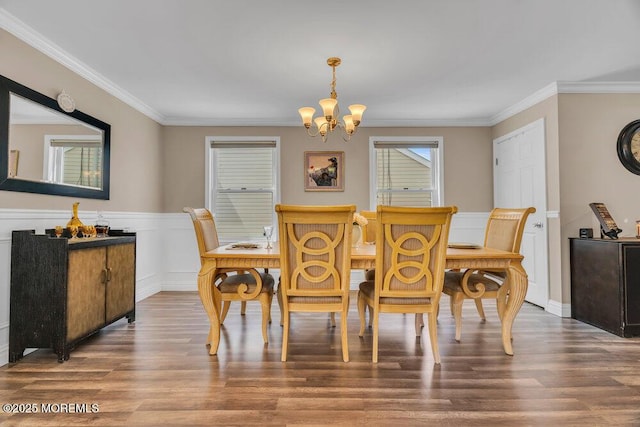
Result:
120,295
85,292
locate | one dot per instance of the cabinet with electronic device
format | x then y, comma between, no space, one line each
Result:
605,284
64,290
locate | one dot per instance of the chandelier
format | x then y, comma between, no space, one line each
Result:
329,121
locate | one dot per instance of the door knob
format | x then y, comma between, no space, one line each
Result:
537,224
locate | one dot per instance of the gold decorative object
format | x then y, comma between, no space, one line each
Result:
329,120
74,219
73,231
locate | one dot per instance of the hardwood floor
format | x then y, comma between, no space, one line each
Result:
157,371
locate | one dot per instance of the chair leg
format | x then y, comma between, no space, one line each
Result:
343,331
225,309
285,337
419,321
480,309
376,321
243,308
333,319
370,316
279,298
433,336
265,302
362,307
457,315
451,304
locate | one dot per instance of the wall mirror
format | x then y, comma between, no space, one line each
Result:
46,150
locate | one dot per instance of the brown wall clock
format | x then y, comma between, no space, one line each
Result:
629,147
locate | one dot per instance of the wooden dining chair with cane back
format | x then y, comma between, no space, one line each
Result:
315,263
411,249
504,231
230,281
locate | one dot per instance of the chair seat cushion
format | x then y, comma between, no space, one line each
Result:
368,289
231,283
453,280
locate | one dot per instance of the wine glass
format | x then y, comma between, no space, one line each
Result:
268,233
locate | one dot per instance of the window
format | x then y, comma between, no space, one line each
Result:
406,171
73,159
242,185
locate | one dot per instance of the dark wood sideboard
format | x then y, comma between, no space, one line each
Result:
64,290
605,284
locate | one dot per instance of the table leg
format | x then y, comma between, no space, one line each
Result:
211,301
518,282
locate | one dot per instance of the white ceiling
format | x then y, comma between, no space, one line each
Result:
412,62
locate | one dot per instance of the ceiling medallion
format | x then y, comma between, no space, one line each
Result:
66,102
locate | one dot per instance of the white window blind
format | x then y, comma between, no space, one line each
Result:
75,160
405,172
243,190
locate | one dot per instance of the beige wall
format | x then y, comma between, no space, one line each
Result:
467,153
136,154
591,171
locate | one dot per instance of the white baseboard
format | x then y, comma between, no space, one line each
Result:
559,309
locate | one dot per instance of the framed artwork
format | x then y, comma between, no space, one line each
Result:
324,171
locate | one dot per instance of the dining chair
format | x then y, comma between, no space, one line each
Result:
503,231
229,281
411,249
315,264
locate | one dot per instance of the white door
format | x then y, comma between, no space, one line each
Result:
519,181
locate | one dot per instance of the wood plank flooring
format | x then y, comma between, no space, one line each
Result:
157,371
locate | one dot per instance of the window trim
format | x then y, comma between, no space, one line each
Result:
209,186
402,142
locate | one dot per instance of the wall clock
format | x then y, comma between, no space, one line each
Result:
629,146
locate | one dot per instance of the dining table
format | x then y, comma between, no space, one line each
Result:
256,256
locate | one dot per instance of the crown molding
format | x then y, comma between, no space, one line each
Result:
564,87
36,40
529,101
598,87
368,123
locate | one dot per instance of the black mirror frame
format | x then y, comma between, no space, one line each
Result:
8,86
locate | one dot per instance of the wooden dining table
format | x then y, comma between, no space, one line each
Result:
362,257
